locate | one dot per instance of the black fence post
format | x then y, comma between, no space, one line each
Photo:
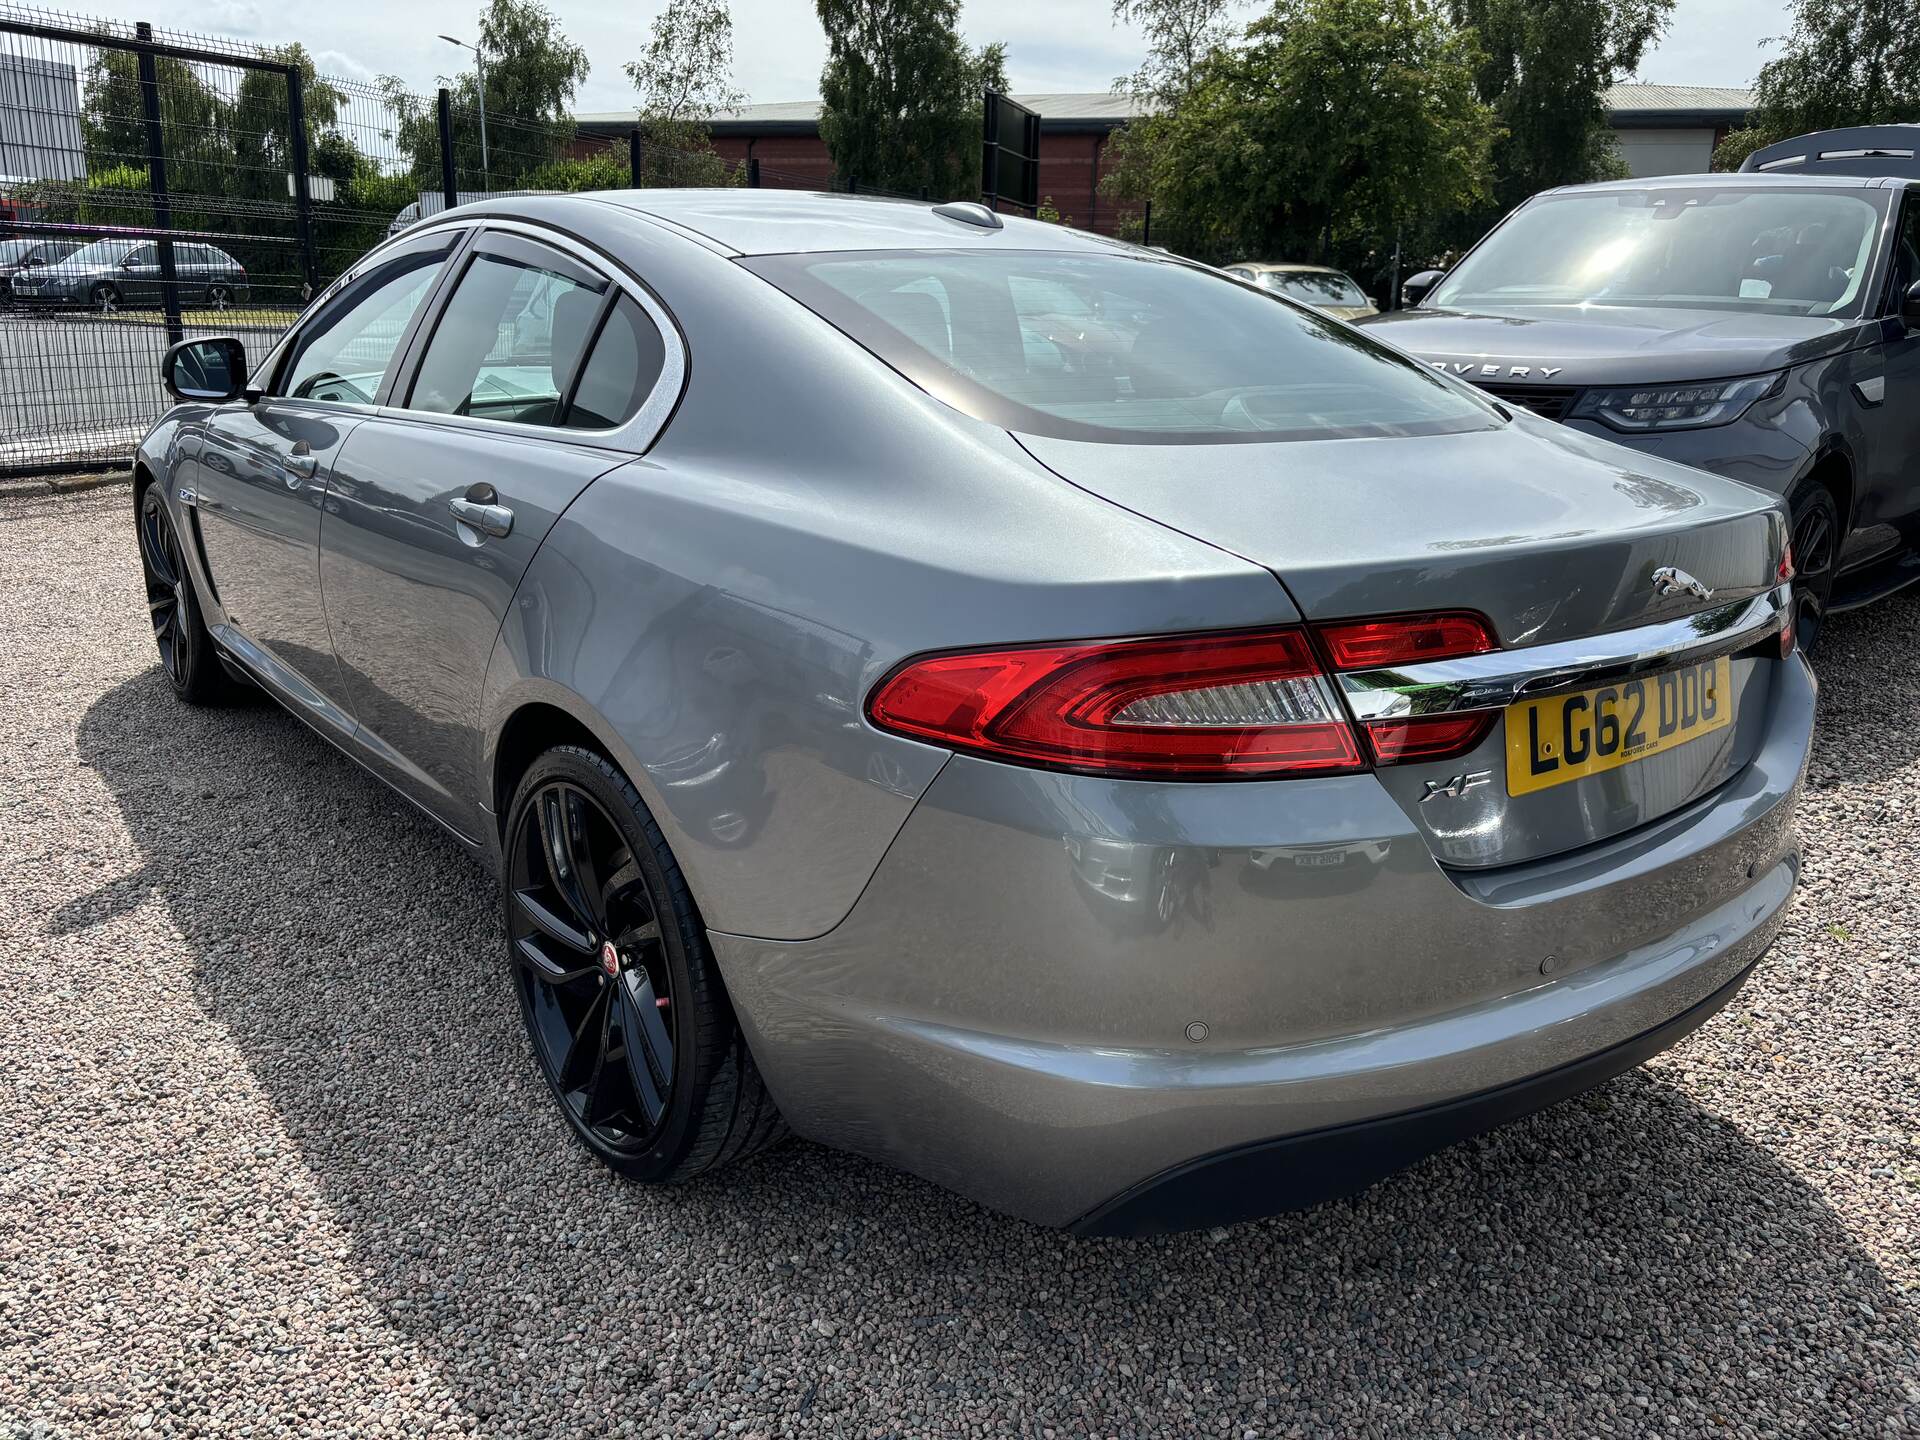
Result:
1146,223
302,186
753,171
636,158
157,181
853,184
448,188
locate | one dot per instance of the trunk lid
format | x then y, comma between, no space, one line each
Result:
1552,535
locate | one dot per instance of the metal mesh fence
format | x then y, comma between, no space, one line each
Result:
156,185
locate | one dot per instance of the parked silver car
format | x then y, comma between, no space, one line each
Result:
25,255
111,275
1009,703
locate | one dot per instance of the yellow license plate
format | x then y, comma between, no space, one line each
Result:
1567,737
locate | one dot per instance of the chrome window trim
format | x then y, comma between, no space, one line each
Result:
1500,677
635,434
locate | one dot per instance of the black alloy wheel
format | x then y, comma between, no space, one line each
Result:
187,653
617,986
1816,548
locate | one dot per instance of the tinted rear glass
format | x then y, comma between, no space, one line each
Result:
1119,349
621,371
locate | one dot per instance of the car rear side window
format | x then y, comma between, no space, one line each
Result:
620,372
507,344
1120,347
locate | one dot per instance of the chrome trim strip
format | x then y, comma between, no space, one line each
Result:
1497,679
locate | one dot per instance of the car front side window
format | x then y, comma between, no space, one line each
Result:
344,353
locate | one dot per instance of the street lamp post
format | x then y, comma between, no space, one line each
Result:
480,63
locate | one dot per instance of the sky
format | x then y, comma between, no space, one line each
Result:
1053,45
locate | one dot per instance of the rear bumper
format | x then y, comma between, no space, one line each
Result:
1007,1008
1297,1171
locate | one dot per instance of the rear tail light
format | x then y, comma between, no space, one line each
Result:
1784,572
1426,737
1405,640
1233,705
1194,706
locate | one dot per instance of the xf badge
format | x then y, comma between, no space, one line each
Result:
1457,785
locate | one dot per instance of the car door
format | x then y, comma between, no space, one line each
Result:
1891,410
259,476
138,280
529,382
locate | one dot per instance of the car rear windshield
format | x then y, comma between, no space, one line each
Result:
1313,287
1120,349
1780,251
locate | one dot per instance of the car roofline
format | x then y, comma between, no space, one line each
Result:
1732,180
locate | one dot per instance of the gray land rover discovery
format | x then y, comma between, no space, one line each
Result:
1764,325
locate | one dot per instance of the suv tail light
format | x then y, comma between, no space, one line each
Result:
1220,705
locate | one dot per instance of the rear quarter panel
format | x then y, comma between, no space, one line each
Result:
718,611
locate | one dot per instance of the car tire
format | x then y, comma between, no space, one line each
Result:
1815,528
622,1000
104,298
188,657
219,297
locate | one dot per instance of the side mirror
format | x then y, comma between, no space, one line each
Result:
1910,302
211,369
1415,287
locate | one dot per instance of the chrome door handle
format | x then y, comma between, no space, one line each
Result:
300,464
494,520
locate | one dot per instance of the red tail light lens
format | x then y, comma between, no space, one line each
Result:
1223,706
1405,640
1393,640
1427,737
1785,571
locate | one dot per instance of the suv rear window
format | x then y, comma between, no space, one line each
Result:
1119,348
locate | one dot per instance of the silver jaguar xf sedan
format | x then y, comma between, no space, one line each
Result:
1029,709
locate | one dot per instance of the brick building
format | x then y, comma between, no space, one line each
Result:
785,139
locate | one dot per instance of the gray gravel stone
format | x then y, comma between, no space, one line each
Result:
276,1161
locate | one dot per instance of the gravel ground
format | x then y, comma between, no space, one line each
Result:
276,1160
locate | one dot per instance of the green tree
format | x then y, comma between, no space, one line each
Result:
684,77
533,72
1180,34
1844,64
1545,67
195,124
263,137
901,95
1336,124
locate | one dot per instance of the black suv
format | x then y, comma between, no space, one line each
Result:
1764,325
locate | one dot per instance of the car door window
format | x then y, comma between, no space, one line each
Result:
343,354
620,372
507,343
1906,255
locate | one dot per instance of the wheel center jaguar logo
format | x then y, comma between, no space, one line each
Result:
610,960
1671,580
